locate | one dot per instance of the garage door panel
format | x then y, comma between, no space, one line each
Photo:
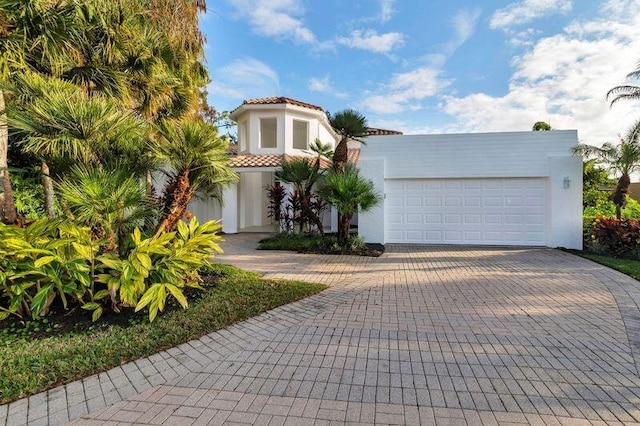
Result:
466,211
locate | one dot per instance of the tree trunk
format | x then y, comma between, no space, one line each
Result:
8,212
149,180
176,199
619,196
49,197
343,229
340,156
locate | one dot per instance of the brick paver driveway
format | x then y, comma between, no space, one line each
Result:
422,335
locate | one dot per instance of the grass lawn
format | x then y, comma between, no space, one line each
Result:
28,366
626,266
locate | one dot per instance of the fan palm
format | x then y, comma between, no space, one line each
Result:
61,125
31,32
349,193
623,159
196,161
303,173
112,202
349,124
626,91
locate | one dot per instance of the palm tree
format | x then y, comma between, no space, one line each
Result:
349,124
61,125
112,202
627,91
623,158
350,193
196,161
31,32
303,173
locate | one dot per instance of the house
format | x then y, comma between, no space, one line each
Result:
510,188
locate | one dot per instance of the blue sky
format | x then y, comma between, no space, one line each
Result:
432,66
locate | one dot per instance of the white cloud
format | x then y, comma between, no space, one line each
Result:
405,90
386,10
244,78
321,85
276,18
564,79
524,11
464,24
325,85
372,41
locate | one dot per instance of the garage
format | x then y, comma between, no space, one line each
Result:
504,189
466,211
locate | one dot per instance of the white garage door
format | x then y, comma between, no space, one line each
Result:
466,211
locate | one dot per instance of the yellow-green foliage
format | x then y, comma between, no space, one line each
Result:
57,258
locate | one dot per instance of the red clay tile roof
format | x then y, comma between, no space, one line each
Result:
256,161
353,156
281,100
372,131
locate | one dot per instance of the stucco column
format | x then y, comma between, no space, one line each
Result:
230,209
564,200
371,224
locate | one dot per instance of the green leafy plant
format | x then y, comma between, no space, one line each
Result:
46,260
160,265
57,258
349,193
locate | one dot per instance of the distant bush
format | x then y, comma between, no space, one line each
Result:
618,237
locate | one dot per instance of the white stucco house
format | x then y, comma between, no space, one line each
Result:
510,188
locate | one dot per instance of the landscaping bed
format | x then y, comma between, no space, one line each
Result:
320,244
69,346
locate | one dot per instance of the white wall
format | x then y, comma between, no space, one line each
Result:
482,155
512,154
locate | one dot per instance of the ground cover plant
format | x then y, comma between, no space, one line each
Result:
59,349
320,244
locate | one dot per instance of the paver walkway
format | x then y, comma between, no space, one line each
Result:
422,335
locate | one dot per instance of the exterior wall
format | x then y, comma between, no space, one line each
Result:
512,154
230,209
484,155
206,209
285,116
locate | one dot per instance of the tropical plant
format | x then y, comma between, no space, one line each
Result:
350,125
626,91
49,259
623,158
112,202
58,259
594,181
277,194
196,161
165,263
349,193
303,173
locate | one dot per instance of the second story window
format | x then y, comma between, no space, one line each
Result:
300,134
268,133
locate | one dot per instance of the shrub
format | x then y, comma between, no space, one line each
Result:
619,237
58,259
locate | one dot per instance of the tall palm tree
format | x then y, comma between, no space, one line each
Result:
626,91
350,125
623,158
196,162
350,193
